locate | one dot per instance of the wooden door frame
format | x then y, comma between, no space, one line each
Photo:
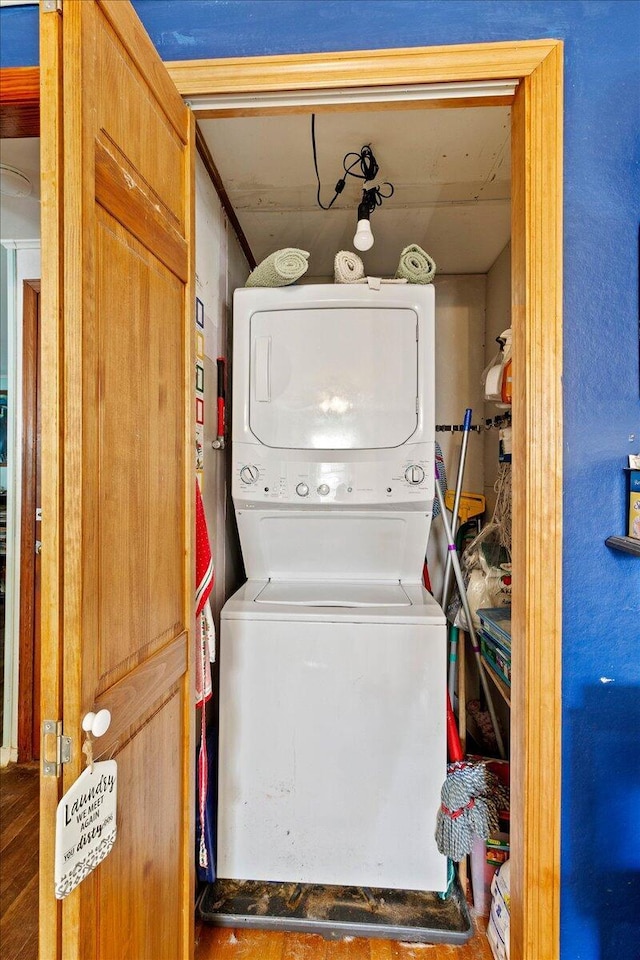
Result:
537,409
28,656
20,102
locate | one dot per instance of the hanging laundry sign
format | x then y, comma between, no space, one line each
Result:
85,825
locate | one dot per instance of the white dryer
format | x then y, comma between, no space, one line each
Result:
332,655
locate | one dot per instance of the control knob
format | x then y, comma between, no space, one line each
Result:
302,490
249,474
414,474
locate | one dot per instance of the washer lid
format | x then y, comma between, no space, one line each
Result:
334,594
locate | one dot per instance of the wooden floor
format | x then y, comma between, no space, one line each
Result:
19,861
217,944
19,903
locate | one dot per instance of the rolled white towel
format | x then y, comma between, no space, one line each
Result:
348,267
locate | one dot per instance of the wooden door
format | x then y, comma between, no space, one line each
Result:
118,470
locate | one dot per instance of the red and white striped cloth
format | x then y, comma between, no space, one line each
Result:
205,644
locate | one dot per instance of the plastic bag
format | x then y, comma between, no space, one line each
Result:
497,375
486,569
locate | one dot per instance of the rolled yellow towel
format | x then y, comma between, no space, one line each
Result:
416,265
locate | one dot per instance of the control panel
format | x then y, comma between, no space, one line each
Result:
291,482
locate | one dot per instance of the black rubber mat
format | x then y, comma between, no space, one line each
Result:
336,912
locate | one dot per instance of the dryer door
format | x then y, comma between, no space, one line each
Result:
334,378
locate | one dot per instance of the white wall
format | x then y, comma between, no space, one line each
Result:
23,263
21,215
4,361
498,319
459,362
220,268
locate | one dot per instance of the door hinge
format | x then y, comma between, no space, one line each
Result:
38,514
56,748
52,6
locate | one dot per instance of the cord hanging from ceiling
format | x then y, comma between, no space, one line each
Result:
368,166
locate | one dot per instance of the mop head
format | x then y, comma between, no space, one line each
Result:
347,267
465,813
415,265
280,268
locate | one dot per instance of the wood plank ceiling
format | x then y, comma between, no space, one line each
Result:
450,169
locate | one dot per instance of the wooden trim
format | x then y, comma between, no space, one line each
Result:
187,892
537,409
360,68
134,695
223,196
131,202
19,102
28,675
20,85
537,508
51,168
211,113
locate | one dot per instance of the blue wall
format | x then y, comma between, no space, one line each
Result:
600,916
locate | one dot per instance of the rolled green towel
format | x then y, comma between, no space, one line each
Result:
280,268
415,265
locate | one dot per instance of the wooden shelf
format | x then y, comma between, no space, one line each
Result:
503,688
626,544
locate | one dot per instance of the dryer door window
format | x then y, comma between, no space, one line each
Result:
341,379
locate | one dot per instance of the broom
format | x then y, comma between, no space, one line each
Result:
470,627
465,812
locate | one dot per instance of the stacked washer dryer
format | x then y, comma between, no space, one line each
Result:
332,654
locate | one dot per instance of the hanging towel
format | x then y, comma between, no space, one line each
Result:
204,637
280,268
415,265
347,267
204,620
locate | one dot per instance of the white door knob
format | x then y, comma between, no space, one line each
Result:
96,724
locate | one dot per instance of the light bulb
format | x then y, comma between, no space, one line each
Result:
363,239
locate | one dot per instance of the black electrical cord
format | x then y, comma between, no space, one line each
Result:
373,197
368,167
367,161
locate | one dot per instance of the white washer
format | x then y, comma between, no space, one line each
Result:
332,655
332,735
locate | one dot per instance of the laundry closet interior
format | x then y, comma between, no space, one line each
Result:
334,680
